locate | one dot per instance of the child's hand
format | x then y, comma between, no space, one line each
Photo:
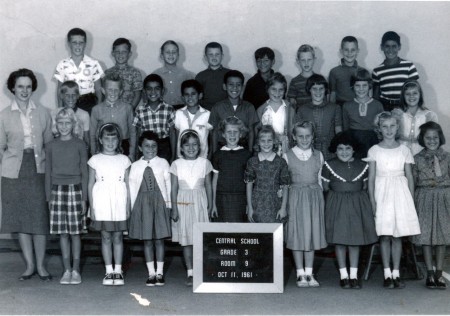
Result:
250,215
174,214
374,209
281,214
83,208
214,212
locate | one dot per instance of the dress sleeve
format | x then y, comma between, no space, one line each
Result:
173,168
371,155
431,116
408,156
92,162
250,171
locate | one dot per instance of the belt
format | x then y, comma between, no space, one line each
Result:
28,151
390,101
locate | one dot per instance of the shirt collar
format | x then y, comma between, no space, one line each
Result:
368,101
220,68
15,106
173,70
111,105
270,158
200,109
355,64
225,148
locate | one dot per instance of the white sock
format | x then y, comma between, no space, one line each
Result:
159,267
118,268
395,274
387,273
353,273
189,272
308,271
151,267
109,268
300,272
344,273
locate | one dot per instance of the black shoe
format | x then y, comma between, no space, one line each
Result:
430,283
25,277
151,281
441,284
47,277
344,283
160,280
398,284
354,284
189,280
388,283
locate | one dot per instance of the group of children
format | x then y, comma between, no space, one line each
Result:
260,159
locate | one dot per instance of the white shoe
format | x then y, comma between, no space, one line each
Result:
67,276
311,281
301,281
76,277
108,279
118,278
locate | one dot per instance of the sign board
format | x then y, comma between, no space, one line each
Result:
238,258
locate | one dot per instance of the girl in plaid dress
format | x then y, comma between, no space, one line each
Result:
66,189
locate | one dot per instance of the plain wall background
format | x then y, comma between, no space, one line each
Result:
33,35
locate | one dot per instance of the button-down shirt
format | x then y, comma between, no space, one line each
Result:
120,113
173,78
159,121
131,81
85,74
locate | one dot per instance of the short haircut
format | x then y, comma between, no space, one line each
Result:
430,126
233,74
276,77
23,72
267,129
305,48
390,36
361,75
109,129
70,114
184,138
304,124
263,52
76,31
191,83
121,41
408,85
349,39
167,43
385,116
233,120
316,79
344,138
154,78
148,135
112,77
213,45
69,84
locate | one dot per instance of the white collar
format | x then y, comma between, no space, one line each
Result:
225,148
270,158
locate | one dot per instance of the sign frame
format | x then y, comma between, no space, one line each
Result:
277,286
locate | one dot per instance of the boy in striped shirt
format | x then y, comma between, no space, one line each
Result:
389,76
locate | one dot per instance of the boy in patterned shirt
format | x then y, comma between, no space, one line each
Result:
82,69
131,77
157,116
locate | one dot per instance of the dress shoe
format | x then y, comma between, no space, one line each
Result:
441,284
398,284
47,277
430,283
344,283
388,283
354,284
26,276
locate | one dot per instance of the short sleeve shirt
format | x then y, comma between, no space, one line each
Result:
131,79
84,75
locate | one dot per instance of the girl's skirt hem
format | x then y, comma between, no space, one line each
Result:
109,226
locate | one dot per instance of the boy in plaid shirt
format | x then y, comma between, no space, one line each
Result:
156,116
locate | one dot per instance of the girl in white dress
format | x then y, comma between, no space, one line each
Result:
110,199
191,194
391,188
